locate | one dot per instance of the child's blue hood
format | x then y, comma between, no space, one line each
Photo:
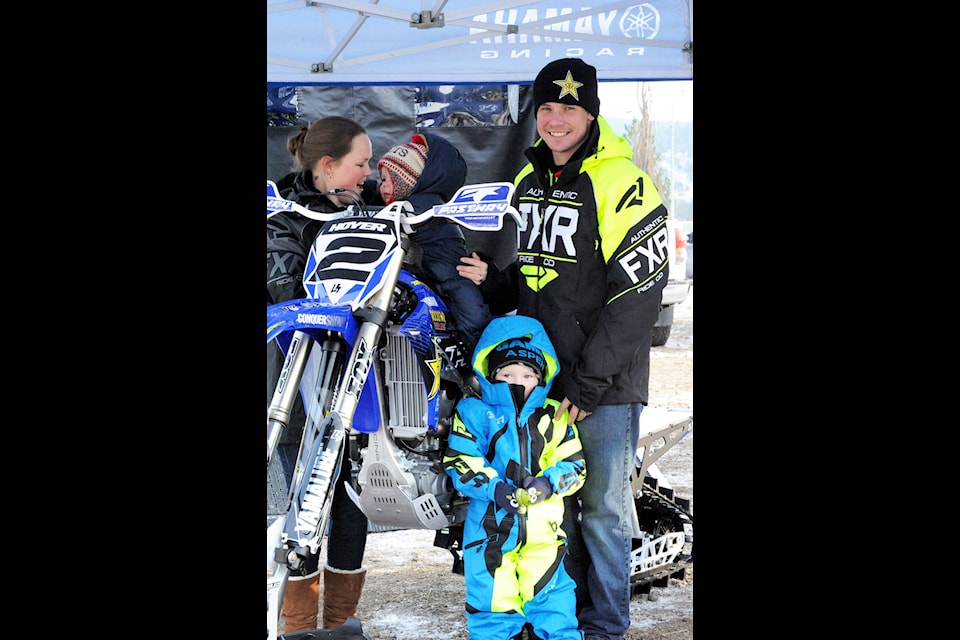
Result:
505,328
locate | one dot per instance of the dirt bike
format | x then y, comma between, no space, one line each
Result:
374,355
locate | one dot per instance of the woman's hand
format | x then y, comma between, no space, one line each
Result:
473,269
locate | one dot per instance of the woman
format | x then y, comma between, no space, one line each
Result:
334,153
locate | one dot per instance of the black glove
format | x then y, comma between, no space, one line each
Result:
539,488
505,497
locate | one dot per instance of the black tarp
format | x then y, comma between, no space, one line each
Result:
492,153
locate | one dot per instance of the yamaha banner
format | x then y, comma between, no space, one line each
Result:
396,42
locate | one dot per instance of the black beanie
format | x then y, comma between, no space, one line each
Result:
515,351
570,81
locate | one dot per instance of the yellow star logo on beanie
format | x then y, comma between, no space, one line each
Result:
568,86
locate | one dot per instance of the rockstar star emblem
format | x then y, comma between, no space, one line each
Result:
568,86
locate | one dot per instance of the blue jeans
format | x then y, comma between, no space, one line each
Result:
599,543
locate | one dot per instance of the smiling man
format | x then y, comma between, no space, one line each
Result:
591,264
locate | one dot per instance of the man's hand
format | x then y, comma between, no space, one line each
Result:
576,414
473,269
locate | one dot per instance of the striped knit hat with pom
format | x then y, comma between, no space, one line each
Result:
405,164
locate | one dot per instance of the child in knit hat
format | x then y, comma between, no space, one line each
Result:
400,168
425,172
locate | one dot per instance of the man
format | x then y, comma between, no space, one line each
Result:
591,264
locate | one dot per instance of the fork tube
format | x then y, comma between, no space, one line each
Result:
278,414
368,337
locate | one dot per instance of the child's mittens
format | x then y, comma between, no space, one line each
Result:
539,489
505,497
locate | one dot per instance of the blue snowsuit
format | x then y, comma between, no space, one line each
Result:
513,563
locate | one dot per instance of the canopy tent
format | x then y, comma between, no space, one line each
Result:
356,42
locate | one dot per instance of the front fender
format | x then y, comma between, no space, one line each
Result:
315,318
310,316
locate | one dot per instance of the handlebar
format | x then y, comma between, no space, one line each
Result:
479,207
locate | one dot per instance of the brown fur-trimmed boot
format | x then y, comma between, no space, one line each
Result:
301,603
341,593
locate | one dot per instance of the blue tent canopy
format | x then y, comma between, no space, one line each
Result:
356,42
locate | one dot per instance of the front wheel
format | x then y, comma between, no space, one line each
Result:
309,481
349,630
661,330
660,336
277,497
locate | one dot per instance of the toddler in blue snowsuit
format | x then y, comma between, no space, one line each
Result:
516,461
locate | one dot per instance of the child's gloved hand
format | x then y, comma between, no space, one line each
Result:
538,489
505,497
